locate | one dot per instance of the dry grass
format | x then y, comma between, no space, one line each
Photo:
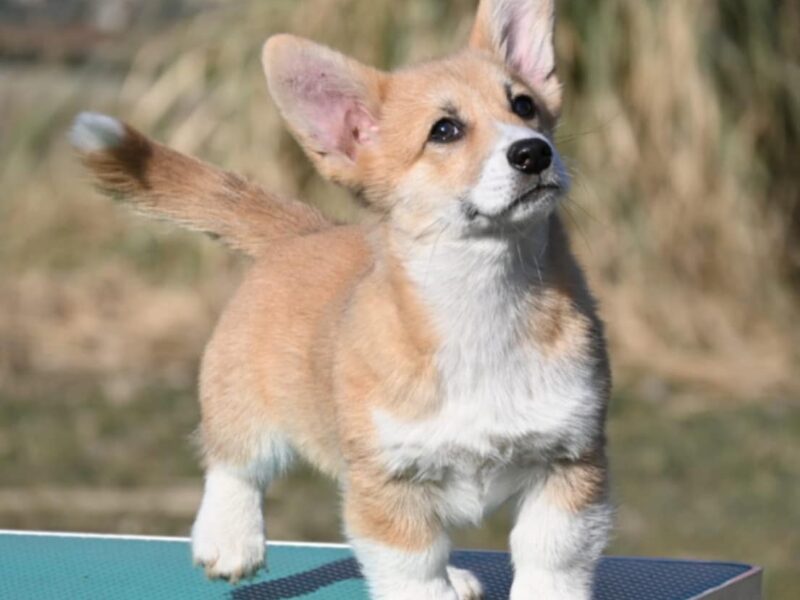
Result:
683,131
681,238
682,207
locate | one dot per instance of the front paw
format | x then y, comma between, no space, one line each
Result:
467,586
551,585
230,553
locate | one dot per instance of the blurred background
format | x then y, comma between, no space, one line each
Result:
682,126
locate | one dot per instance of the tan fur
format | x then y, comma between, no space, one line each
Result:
269,362
327,325
160,181
396,513
563,319
574,486
471,83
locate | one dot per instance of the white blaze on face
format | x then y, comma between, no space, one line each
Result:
500,183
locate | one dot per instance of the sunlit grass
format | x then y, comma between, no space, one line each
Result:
681,123
682,128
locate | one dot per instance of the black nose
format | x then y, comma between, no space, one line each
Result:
531,156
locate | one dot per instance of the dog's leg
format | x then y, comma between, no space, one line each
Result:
228,533
402,547
562,528
228,536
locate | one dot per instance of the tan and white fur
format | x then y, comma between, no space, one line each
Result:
439,360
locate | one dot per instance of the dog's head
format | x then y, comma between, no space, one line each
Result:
462,144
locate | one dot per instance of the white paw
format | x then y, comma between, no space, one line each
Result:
438,589
232,552
94,132
228,533
551,585
467,586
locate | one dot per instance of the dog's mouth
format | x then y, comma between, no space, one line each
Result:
529,198
532,196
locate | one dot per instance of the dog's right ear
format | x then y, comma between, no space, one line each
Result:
330,102
520,34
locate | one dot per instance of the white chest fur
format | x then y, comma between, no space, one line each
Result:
507,407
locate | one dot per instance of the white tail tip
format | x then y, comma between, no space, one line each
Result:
95,132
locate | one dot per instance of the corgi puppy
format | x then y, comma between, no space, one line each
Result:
439,360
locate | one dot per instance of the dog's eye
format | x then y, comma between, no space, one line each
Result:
523,106
445,131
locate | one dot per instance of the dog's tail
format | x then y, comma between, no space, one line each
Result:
159,181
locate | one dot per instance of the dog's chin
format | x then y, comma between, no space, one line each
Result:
532,205
527,209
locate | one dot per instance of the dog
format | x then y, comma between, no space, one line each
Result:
438,360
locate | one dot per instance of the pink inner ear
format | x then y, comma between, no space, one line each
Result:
529,39
337,120
359,129
533,68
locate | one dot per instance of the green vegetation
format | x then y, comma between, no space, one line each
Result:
682,126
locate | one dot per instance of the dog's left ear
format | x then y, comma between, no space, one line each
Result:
330,102
520,33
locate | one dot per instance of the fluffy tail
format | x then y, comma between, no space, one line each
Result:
159,181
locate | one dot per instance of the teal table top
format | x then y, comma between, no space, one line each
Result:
45,566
